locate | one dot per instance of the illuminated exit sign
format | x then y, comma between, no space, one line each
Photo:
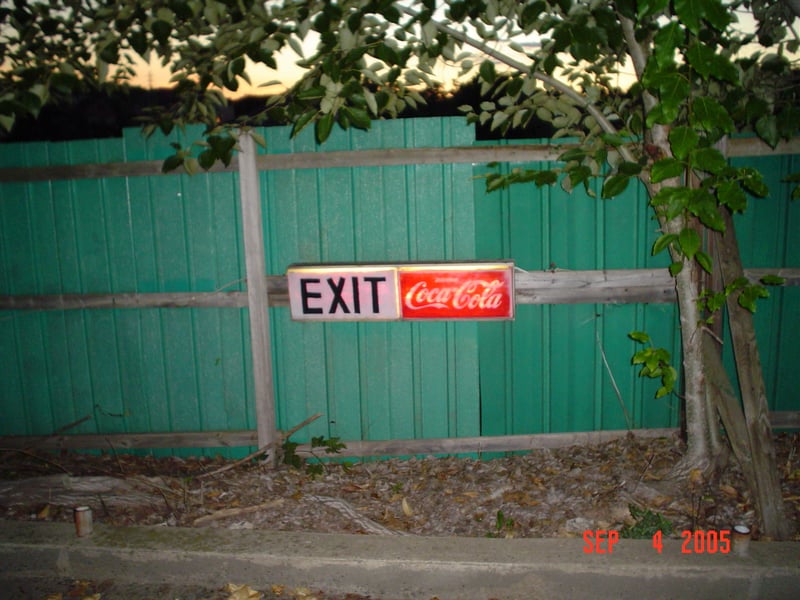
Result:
409,291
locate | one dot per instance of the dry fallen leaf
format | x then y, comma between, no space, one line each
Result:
696,477
728,490
406,508
242,592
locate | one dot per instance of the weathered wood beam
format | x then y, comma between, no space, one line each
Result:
125,300
785,419
257,294
249,438
769,500
130,441
514,153
480,445
532,287
228,439
602,287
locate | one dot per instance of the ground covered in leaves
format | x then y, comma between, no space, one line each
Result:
623,484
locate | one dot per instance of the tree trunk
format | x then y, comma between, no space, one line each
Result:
700,450
727,404
767,494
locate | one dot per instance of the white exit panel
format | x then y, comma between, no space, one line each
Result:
350,293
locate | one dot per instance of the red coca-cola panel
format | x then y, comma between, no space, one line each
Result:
457,292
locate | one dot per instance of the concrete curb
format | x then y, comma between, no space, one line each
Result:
397,568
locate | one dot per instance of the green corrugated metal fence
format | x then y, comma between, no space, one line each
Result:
130,370
559,368
374,380
769,236
555,368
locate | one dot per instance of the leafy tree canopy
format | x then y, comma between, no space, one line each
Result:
367,59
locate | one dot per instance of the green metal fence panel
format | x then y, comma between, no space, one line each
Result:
374,380
149,370
559,368
768,237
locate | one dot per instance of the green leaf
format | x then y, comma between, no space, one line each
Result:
773,280
614,185
258,138
303,121
672,200
206,159
730,194
706,61
572,154
674,89
649,8
753,181
716,13
750,295
683,140
710,160
675,268
324,127
579,174
161,31
689,241
358,117
663,242
632,169
639,336
543,178
710,115
7,121
666,168
312,93
691,13
704,260
667,40
172,162
767,129
487,71
663,113
191,165
612,139
495,182
704,206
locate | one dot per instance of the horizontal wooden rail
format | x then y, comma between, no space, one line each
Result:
616,286
513,153
357,448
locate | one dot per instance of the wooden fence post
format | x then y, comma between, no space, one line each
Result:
257,299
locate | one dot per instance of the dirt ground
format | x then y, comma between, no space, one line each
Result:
623,484
541,493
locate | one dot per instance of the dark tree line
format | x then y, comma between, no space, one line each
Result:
100,114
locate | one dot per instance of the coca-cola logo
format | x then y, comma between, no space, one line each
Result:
472,294
460,294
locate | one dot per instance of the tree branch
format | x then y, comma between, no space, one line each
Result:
639,57
546,79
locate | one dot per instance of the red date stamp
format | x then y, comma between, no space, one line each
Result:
602,541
